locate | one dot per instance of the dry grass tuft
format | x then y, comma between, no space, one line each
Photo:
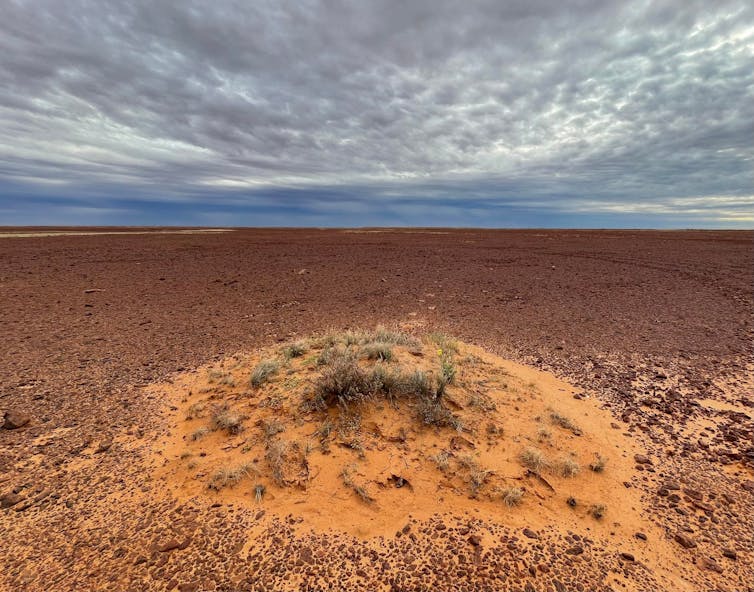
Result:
224,418
512,496
598,464
199,434
230,476
295,350
378,350
597,511
276,457
262,372
533,460
567,468
564,422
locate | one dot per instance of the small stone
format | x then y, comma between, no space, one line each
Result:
627,556
575,550
9,499
104,446
730,554
528,532
641,536
684,540
640,459
709,564
475,540
15,419
169,545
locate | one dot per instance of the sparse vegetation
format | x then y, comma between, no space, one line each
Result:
543,434
230,476
224,418
597,511
598,464
271,427
259,491
512,496
568,467
442,460
275,457
571,501
263,371
359,490
533,460
477,476
434,413
195,410
563,422
295,350
378,350
199,433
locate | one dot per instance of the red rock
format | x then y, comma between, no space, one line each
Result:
475,540
684,540
9,499
15,419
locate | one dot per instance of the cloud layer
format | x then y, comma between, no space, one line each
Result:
477,113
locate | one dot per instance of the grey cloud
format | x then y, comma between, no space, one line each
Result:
610,101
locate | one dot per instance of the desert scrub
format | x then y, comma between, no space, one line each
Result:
199,433
343,382
477,476
442,460
276,457
378,350
230,476
295,350
220,377
567,468
564,422
533,460
224,418
597,511
271,427
434,413
444,342
543,434
262,372
359,490
259,491
195,410
598,464
512,496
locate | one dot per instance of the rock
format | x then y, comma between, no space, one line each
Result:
8,500
693,494
641,536
475,540
189,586
172,545
15,419
640,459
575,550
627,556
528,532
684,540
104,446
730,554
672,485
709,564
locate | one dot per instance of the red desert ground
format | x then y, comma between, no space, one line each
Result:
385,409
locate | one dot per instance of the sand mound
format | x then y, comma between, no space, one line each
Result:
356,431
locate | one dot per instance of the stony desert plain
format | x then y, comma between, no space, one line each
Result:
376,409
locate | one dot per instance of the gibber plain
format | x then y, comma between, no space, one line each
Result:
380,408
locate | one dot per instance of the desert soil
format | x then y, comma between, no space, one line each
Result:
651,330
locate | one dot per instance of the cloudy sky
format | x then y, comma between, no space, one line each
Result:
424,112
